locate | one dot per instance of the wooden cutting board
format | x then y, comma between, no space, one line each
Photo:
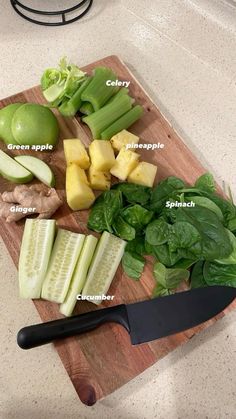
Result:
101,361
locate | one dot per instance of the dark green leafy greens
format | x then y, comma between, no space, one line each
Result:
134,194
200,238
217,274
167,279
137,245
163,192
157,232
206,183
215,242
137,216
197,278
133,264
123,229
105,211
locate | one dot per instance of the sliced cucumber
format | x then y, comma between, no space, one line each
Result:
79,275
65,253
35,252
38,168
13,171
105,262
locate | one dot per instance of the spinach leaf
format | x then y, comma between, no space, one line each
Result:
164,255
195,252
162,192
197,278
214,238
160,291
104,211
123,229
184,263
137,245
232,225
218,274
231,259
96,220
206,183
202,201
149,249
167,279
134,194
182,235
157,232
169,214
228,209
136,216
133,264
112,206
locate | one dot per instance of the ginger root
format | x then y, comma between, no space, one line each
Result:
41,201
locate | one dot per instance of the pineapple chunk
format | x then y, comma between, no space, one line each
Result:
126,161
143,174
99,180
122,139
75,152
78,194
102,155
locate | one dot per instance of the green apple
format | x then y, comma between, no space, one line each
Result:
6,115
34,124
13,171
39,169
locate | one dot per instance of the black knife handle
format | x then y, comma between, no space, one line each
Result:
42,333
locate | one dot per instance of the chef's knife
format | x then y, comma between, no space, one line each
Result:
145,320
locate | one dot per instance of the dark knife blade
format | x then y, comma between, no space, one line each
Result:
175,313
145,321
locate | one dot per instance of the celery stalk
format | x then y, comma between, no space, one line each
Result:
98,93
70,107
123,122
86,108
104,117
121,92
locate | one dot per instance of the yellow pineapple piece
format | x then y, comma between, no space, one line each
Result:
143,174
102,155
75,152
126,161
78,194
122,139
99,180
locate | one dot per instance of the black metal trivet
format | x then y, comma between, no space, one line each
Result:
62,14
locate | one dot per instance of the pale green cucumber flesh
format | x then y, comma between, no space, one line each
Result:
79,275
13,171
38,168
105,262
35,253
65,253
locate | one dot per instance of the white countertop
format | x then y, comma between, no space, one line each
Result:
183,52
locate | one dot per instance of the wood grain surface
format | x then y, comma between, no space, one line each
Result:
101,361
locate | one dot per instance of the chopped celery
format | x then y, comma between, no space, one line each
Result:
98,93
86,108
70,107
62,82
104,117
123,122
121,92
